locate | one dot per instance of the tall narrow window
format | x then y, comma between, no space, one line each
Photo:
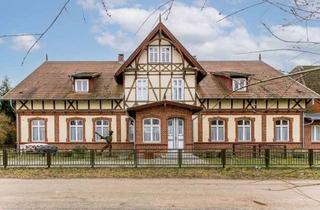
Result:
177,89
142,90
165,54
239,84
315,133
76,130
153,54
102,128
38,130
81,85
282,130
244,130
131,130
217,130
151,130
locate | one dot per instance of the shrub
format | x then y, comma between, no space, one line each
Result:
79,151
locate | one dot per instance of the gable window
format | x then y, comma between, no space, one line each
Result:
165,56
239,84
102,128
153,54
217,130
131,130
76,130
315,133
151,130
244,130
81,85
282,130
38,130
142,90
177,89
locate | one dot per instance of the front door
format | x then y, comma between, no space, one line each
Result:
175,133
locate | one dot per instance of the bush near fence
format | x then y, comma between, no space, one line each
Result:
266,158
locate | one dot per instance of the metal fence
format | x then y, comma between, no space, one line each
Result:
267,158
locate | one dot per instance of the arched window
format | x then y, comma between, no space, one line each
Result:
38,133
282,130
244,130
217,128
151,130
76,130
131,130
102,128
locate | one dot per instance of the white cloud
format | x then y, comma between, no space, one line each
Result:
1,41
202,35
23,43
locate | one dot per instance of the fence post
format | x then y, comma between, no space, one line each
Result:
179,158
285,152
267,157
135,158
254,151
310,157
5,158
92,158
48,159
224,158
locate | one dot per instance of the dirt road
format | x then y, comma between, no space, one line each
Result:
157,194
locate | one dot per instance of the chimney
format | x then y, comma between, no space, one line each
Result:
195,57
47,58
120,57
260,57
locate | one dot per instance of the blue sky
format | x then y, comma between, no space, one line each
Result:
100,37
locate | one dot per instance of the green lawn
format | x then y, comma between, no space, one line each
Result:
214,173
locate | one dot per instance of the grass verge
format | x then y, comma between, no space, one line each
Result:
213,173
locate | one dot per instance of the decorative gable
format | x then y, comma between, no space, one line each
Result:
150,51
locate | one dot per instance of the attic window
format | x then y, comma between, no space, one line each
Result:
239,84
159,54
81,85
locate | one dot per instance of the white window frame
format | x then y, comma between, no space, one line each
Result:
82,88
315,138
142,90
130,126
99,129
38,126
243,126
238,83
175,89
216,128
152,127
163,55
153,54
76,126
282,127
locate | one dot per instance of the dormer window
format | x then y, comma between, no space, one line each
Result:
239,84
162,54
81,85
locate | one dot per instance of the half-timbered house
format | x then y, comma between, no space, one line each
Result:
160,97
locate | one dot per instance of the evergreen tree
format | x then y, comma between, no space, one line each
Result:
5,106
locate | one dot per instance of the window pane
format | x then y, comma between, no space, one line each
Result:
285,135
73,133
147,134
220,122
35,133
155,122
84,86
284,122
247,122
156,134
247,137
42,134
79,134
41,122
278,122
240,133
240,122
147,122
317,132
98,122
278,133
78,84
214,122
213,133
221,133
